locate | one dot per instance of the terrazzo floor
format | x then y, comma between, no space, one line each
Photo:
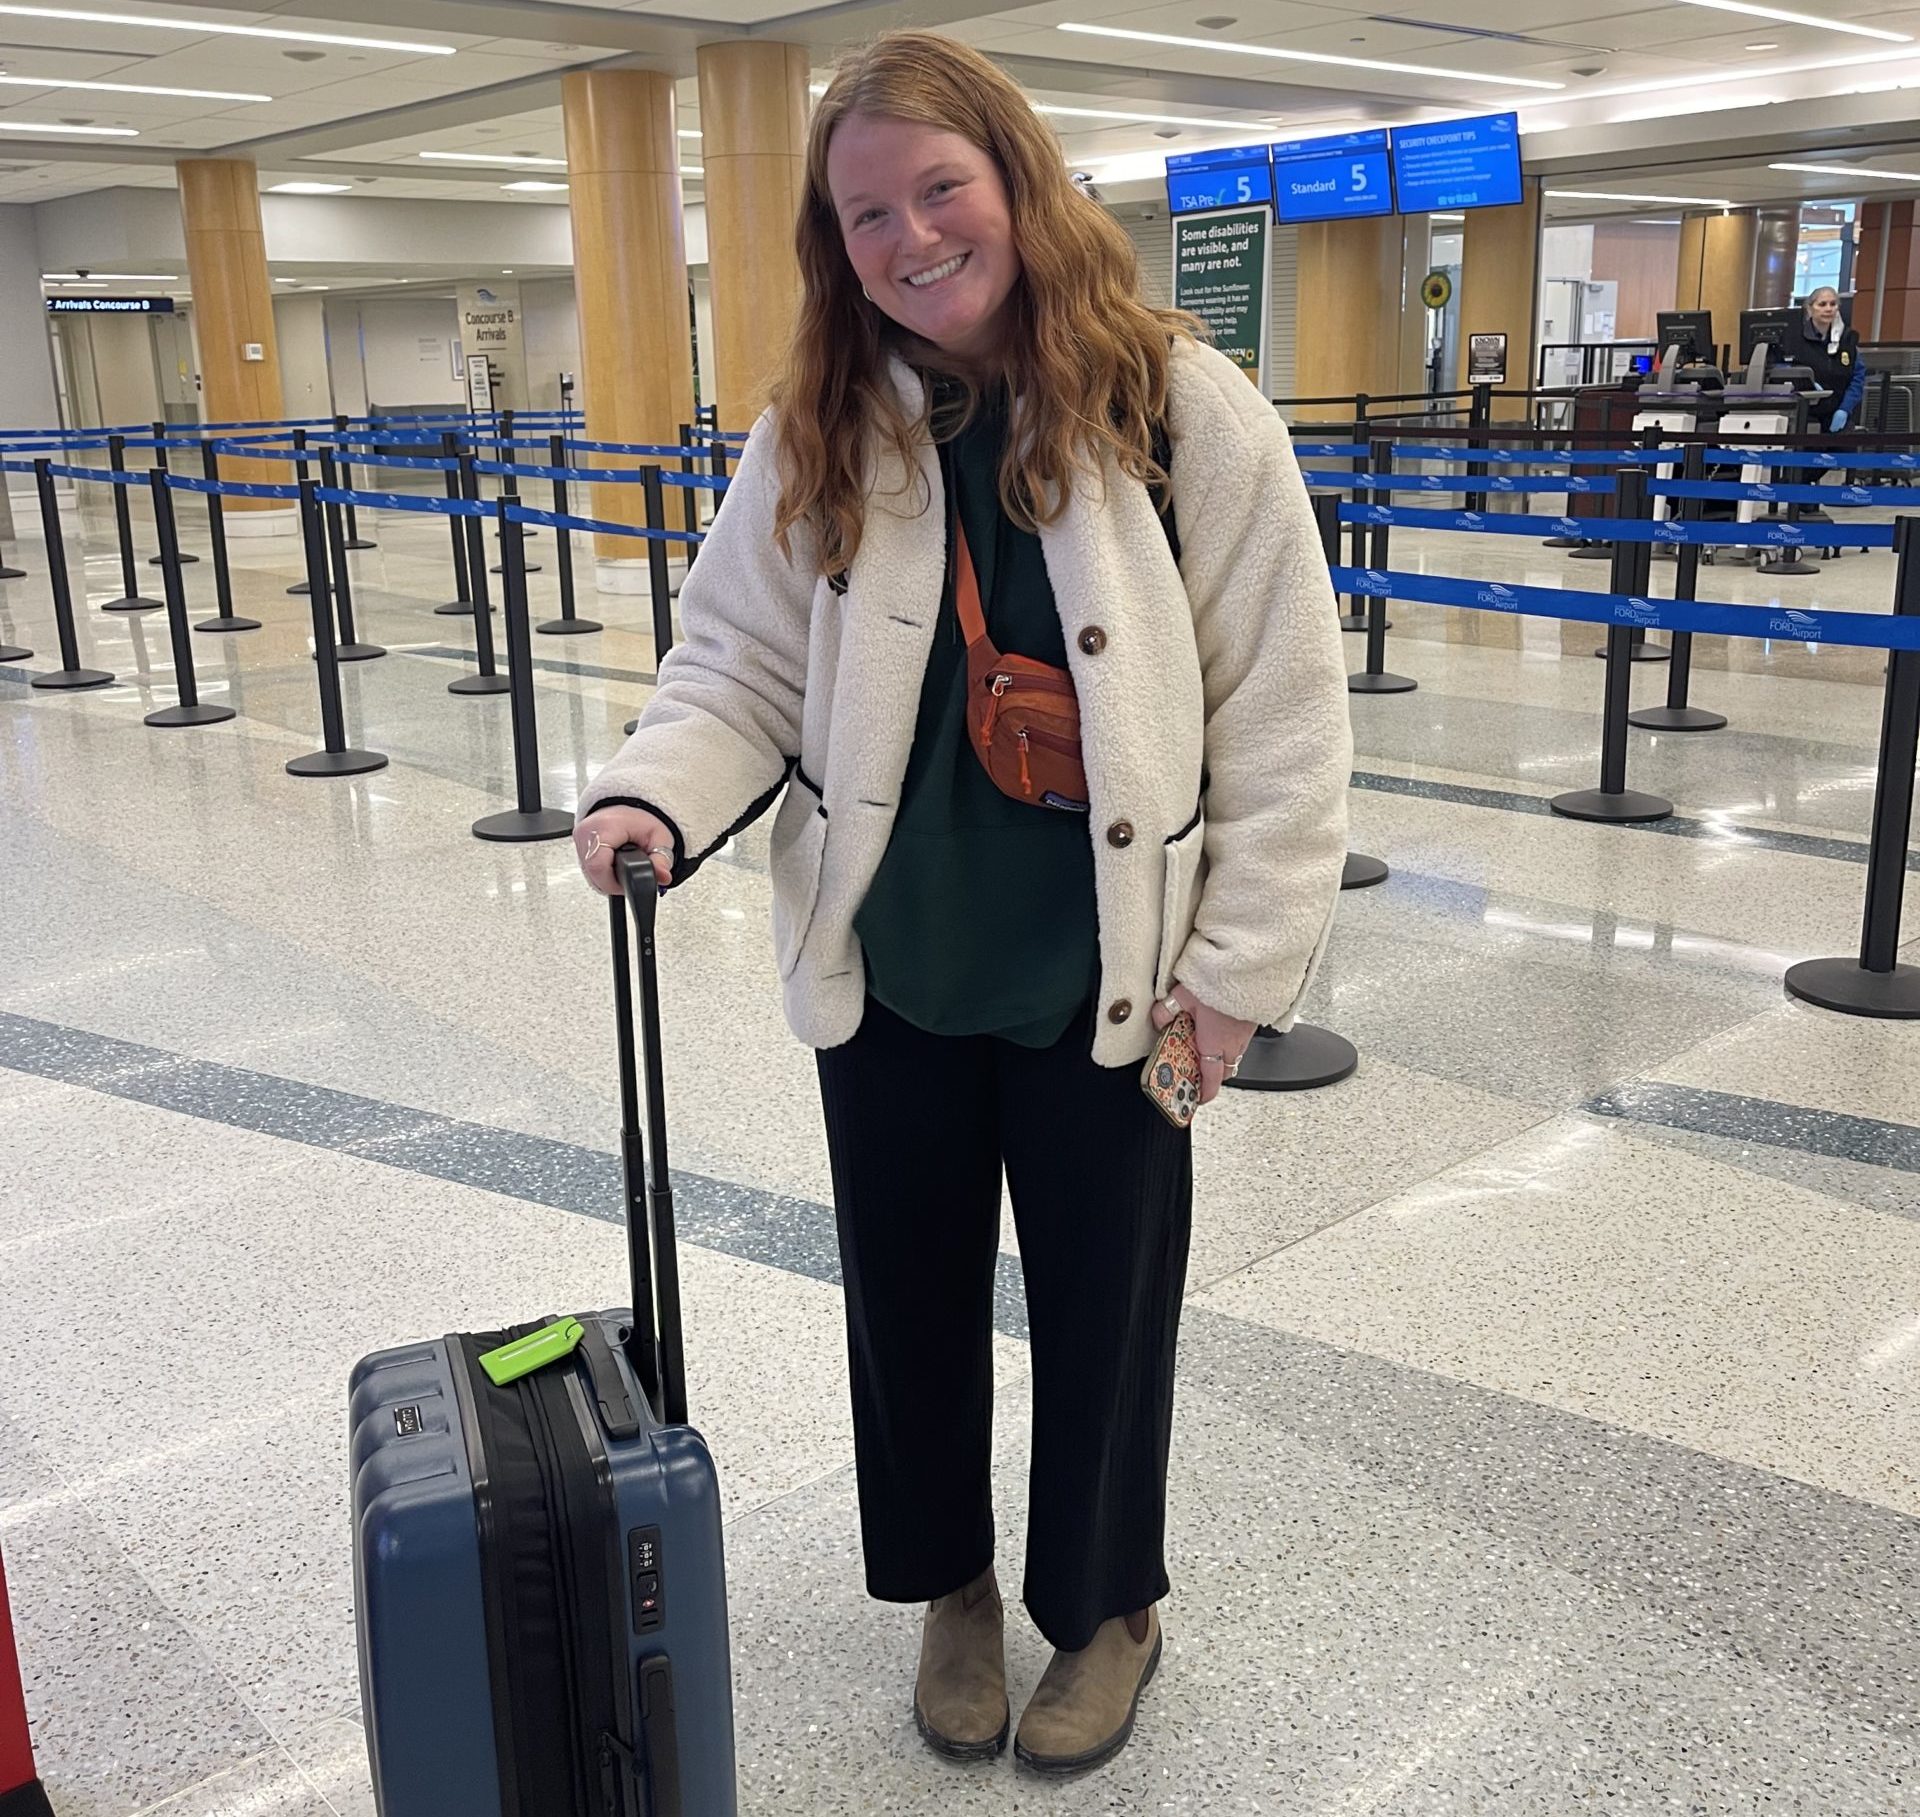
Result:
1549,1424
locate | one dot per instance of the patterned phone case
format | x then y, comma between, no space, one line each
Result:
1171,1076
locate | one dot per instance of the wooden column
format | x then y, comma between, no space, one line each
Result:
233,311
1500,281
1886,273
630,280
1348,320
753,148
1716,270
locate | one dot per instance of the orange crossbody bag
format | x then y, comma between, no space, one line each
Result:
1023,716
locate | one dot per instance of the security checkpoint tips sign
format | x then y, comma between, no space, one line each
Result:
1222,271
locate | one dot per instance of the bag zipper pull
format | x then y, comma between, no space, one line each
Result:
998,684
1026,780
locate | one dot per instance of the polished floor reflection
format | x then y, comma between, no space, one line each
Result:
1550,1391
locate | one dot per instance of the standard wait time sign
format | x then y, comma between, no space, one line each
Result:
1222,268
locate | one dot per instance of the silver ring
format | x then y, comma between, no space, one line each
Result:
593,846
1171,1005
659,851
1217,1059
1232,1071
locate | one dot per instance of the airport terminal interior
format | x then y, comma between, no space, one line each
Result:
1547,1413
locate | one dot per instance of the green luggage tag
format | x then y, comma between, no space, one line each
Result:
534,1351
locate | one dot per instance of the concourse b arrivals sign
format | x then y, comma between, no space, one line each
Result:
109,305
1222,272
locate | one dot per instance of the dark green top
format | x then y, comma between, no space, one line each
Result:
981,919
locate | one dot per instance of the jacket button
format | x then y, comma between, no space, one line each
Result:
1092,641
1120,1011
1120,833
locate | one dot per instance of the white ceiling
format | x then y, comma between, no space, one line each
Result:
362,115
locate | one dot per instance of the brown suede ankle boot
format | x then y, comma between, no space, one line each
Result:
1082,1713
960,1699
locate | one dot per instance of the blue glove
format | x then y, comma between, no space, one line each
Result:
1839,421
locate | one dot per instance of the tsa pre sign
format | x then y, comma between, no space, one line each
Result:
1222,270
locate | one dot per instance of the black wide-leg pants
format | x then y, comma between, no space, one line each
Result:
919,1127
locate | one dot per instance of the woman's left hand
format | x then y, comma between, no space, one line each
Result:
1221,1039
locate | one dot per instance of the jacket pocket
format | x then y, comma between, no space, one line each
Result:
797,845
1186,869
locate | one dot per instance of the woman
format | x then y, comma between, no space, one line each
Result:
1832,350
969,413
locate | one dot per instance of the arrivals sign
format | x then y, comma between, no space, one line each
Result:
109,305
1222,272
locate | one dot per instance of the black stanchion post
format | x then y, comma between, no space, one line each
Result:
1639,649
1479,415
301,473
657,565
351,648
510,490
160,461
569,622
527,820
354,539
1355,616
1677,715
132,599
217,534
1374,679
334,758
689,495
1877,984
462,600
1632,568
1302,1059
488,680
69,674
189,711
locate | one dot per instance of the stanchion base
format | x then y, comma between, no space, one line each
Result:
1362,872
1561,542
1303,1059
1677,719
1363,683
1596,804
133,603
7,573
567,627
360,542
58,679
359,652
454,608
1847,986
630,727
516,828
205,714
337,763
1641,653
1357,621
1591,552
14,653
479,684
228,624
154,561
300,588
500,568
1775,564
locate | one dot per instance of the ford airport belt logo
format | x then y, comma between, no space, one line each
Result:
1790,534
1567,526
1637,612
1472,520
1803,625
1669,533
1493,594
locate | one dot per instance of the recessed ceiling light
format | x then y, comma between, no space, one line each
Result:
1307,56
505,159
308,189
1115,113
1852,170
1825,22
101,132
1615,195
1216,22
1760,47
531,184
203,28
1695,82
507,272
128,88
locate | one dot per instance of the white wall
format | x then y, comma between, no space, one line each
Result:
551,326
26,374
300,329
407,343
123,364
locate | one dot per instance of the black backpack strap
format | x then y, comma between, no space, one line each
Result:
1161,447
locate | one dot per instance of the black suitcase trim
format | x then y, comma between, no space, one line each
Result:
548,1556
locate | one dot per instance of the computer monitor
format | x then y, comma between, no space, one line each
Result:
1775,327
1691,330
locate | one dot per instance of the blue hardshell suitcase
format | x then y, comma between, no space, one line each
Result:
537,1567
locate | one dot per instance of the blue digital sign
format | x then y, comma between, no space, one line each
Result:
1331,179
1198,180
1457,164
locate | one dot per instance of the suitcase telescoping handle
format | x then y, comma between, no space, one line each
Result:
653,1344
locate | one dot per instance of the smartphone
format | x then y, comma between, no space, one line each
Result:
1171,1076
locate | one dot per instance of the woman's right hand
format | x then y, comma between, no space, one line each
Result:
606,830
